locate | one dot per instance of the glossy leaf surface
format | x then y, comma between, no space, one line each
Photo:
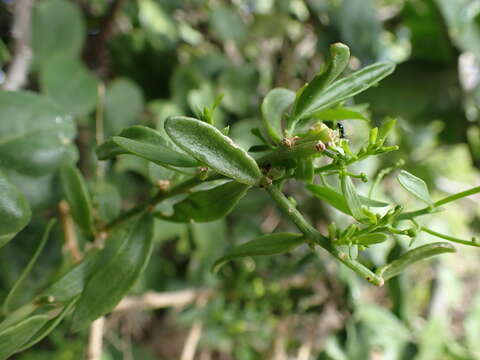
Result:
209,146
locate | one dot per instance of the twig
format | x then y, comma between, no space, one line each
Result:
94,351
70,237
153,300
190,347
99,133
22,54
281,333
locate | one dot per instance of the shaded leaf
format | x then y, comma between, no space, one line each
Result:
208,205
69,83
264,245
422,252
78,197
11,300
209,146
35,134
273,106
351,197
14,211
415,186
107,286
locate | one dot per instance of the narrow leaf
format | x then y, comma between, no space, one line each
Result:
351,197
372,238
423,252
340,113
347,87
337,200
11,300
209,146
78,197
208,205
414,186
146,143
49,326
385,129
111,283
264,245
305,170
274,104
311,94
14,211
13,338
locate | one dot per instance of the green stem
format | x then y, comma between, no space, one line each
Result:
451,238
430,209
312,234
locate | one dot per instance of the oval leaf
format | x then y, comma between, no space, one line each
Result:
312,93
104,290
372,238
14,211
208,205
272,244
273,107
347,87
78,197
415,186
209,146
146,143
423,252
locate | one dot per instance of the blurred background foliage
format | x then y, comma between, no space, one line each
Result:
137,62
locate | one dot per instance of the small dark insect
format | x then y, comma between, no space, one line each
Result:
341,130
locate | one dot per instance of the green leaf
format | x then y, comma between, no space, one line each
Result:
371,238
351,197
273,106
385,129
146,143
209,146
13,338
123,105
78,197
107,286
272,244
57,28
14,211
312,93
35,134
69,83
414,186
347,87
423,252
337,200
339,113
208,205
11,301
49,326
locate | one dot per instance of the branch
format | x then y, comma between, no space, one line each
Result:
154,300
70,237
22,54
95,341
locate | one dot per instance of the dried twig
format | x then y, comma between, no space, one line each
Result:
22,54
153,300
190,347
70,237
95,341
